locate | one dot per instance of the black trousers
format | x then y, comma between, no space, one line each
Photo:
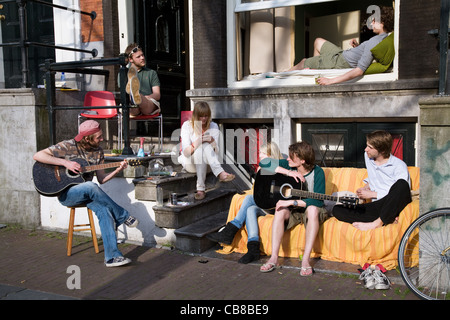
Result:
387,208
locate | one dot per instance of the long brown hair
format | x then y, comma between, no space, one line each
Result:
86,142
201,109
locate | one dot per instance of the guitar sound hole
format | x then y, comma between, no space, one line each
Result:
286,191
72,174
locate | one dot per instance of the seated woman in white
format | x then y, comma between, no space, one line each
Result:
199,148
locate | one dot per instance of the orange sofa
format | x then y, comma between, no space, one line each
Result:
337,241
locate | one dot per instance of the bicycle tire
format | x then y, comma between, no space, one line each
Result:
425,268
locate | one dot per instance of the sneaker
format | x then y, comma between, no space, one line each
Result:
381,281
117,262
135,96
366,276
131,222
132,72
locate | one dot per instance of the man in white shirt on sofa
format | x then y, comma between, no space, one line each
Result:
388,186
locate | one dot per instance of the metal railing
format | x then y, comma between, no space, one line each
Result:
442,34
24,43
85,67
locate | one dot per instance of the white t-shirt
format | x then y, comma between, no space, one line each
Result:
188,137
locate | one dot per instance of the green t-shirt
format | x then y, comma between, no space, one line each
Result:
148,79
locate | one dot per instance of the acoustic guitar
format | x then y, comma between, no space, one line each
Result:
269,188
50,180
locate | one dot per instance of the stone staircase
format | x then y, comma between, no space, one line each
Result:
192,219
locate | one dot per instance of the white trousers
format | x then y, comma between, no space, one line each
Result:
199,161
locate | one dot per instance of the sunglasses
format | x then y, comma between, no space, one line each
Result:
134,51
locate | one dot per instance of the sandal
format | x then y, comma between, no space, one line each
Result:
200,195
228,178
306,272
268,267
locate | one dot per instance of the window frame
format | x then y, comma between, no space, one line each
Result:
234,7
269,4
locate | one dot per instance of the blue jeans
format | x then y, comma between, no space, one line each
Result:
109,214
248,214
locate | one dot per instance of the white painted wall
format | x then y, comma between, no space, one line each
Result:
55,216
68,34
126,28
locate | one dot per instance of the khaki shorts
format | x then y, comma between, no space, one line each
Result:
330,58
298,216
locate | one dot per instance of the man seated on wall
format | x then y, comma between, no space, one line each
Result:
359,58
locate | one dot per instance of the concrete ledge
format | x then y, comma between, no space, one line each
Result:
435,111
399,85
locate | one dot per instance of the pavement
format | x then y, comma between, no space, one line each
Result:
34,266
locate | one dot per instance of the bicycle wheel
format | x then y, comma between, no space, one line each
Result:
424,255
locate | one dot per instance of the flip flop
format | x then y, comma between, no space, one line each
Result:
304,271
228,178
269,265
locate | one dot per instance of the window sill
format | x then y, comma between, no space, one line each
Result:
279,80
287,87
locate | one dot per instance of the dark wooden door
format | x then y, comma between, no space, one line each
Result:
160,31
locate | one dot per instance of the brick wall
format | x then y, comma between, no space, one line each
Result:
210,43
418,56
111,40
92,30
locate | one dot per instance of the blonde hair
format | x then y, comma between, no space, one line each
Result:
201,109
272,150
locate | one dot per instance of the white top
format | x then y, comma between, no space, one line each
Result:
188,137
381,178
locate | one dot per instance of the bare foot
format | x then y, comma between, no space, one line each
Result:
364,226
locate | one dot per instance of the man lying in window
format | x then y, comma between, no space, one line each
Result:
359,58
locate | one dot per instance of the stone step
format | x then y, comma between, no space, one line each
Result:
175,217
182,183
192,238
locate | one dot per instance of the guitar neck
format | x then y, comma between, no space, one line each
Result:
313,195
100,167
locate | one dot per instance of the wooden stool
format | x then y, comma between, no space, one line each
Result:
75,227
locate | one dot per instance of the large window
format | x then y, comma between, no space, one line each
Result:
342,144
266,37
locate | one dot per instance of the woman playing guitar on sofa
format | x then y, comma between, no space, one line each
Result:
289,213
272,161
